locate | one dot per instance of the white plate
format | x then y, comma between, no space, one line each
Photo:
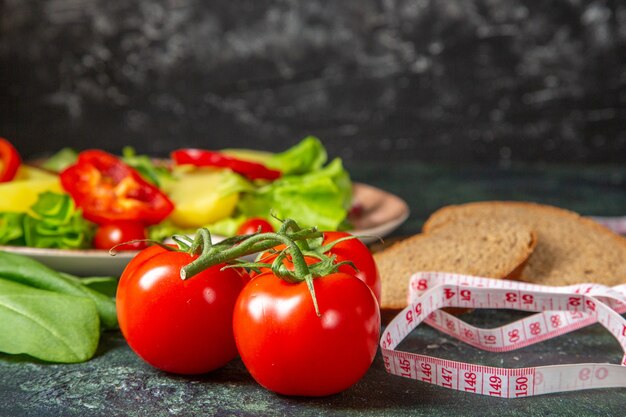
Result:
380,213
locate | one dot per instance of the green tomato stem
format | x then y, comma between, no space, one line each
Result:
210,255
231,250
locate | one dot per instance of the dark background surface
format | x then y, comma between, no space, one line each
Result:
453,81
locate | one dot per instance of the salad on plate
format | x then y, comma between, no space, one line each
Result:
96,200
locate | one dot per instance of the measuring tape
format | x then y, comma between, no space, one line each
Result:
616,224
561,310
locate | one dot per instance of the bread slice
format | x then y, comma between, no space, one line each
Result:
570,249
479,246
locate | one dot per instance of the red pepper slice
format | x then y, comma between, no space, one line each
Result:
9,161
204,158
107,190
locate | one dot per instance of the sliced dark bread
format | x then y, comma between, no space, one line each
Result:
570,249
478,246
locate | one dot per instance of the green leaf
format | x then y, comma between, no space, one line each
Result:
103,285
146,167
46,325
54,207
307,156
27,271
56,223
320,198
11,230
61,160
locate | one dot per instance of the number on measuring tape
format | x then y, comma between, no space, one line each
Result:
521,386
425,373
557,311
493,386
469,381
535,328
446,376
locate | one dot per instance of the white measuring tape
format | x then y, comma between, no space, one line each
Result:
562,310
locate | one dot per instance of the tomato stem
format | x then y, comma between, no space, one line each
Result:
290,224
231,250
237,247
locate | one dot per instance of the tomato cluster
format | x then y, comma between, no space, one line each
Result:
290,344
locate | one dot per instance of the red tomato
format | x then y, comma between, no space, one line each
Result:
254,225
354,250
179,326
111,234
349,250
9,160
288,349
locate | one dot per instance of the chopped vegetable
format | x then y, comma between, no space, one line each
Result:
204,158
319,198
21,193
56,223
151,172
9,160
203,196
52,222
107,189
60,160
307,156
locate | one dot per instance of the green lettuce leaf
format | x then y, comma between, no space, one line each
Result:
61,160
56,223
320,198
307,156
11,230
154,174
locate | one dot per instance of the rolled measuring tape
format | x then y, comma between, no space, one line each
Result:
560,310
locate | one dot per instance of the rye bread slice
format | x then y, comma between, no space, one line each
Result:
479,246
570,249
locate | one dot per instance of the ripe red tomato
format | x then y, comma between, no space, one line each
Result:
114,233
348,250
254,225
179,326
354,250
288,349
